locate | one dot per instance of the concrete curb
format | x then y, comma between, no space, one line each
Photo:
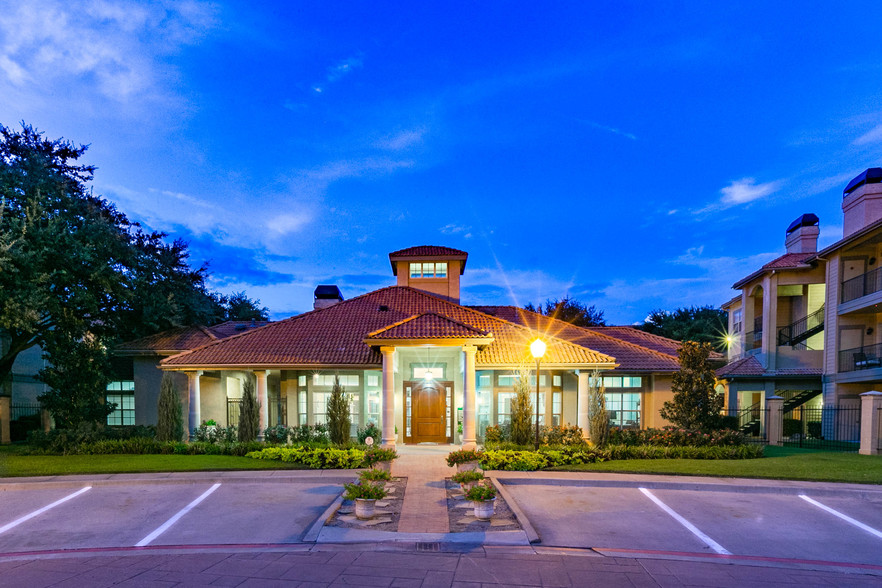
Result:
346,535
311,535
233,477
520,515
698,487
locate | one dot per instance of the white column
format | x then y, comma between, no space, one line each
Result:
582,402
263,399
388,397
194,414
469,403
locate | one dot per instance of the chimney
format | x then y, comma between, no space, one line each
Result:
802,235
325,296
862,201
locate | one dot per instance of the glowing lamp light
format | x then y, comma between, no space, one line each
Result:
537,348
429,375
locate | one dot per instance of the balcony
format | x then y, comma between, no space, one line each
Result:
797,333
860,358
862,285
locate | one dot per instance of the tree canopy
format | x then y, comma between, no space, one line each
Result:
704,324
76,275
571,311
696,403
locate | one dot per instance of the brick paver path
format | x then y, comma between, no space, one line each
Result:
425,500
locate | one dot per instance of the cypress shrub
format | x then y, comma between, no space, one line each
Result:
338,414
249,413
170,423
598,417
522,410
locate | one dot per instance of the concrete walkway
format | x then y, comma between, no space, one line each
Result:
425,501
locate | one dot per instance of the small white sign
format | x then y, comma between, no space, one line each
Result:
369,441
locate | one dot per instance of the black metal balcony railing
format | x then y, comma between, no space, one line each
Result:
802,329
862,285
860,358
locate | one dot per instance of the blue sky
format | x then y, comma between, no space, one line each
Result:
632,155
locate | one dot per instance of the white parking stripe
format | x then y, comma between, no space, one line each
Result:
692,528
845,518
19,521
165,526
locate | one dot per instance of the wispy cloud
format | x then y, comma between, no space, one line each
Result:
874,135
454,229
337,72
612,130
401,140
746,190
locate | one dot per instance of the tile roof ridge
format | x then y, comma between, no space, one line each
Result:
640,331
207,331
414,317
588,329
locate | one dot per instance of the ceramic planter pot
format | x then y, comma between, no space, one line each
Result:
365,508
386,466
467,466
484,509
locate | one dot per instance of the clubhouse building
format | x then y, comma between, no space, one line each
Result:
413,360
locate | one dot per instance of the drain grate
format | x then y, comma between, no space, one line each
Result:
428,547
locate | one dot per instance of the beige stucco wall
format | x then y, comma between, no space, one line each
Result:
653,400
445,287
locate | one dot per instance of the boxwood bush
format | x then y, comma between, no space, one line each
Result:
675,436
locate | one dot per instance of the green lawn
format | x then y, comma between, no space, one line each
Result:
782,463
13,464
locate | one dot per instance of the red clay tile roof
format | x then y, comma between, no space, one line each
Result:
630,356
786,261
428,325
751,367
184,338
746,366
334,336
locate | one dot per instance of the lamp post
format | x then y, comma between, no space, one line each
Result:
537,350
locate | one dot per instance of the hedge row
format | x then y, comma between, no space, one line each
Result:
326,458
528,461
145,446
673,436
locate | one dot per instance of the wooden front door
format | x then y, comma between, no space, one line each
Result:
429,412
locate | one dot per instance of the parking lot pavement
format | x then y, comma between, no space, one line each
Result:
126,515
770,525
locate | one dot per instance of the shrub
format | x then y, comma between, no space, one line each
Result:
374,455
61,441
598,417
310,434
466,477
277,435
319,458
522,409
463,456
481,493
249,413
670,436
685,452
792,427
375,476
339,423
562,435
364,491
696,403
729,422
369,430
170,419
493,435
813,428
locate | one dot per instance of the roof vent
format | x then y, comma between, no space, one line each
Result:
241,327
384,308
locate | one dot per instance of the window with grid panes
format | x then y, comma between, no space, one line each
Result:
123,395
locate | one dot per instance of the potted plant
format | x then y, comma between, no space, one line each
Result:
378,477
468,479
365,497
483,497
379,458
464,459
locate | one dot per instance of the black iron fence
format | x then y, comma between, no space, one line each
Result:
837,428
862,285
24,418
860,358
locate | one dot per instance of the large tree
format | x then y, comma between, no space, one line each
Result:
696,403
76,275
238,307
704,324
571,311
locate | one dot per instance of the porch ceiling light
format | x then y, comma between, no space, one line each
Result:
537,348
429,375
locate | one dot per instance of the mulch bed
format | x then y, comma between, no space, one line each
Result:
387,514
462,517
